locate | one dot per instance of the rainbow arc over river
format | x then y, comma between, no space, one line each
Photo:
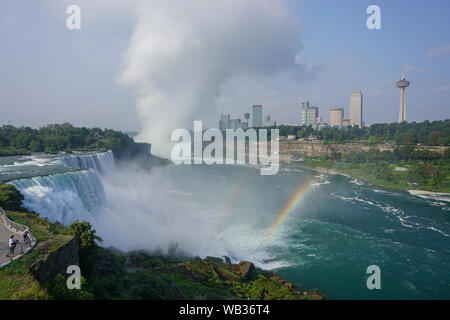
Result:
289,207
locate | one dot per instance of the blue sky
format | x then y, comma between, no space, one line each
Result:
353,57
50,74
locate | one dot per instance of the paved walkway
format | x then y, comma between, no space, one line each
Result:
5,234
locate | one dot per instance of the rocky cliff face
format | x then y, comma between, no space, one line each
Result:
56,262
289,149
140,153
313,149
132,151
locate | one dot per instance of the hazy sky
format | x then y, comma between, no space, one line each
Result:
137,65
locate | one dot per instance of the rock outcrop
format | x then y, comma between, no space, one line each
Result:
140,153
56,262
247,270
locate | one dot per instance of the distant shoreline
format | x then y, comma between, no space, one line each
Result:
442,196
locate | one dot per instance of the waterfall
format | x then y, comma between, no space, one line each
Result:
64,197
101,162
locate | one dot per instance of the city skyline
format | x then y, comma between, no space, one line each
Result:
54,75
309,116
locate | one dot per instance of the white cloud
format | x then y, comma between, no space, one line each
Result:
412,68
442,50
444,88
376,93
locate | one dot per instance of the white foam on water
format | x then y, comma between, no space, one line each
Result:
316,184
439,196
63,197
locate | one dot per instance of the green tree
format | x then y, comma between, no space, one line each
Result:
85,235
10,198
433,138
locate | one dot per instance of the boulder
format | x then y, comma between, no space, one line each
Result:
247,270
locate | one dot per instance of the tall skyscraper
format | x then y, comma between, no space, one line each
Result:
309,114
356,109
224,122
402,84
269,123
246,121
257,116
336,116
235,124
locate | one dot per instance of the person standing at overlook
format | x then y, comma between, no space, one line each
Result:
26,233
12,246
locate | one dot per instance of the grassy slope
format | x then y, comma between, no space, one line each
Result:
15,280
211,278
137,275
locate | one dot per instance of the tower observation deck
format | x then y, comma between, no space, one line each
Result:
402,84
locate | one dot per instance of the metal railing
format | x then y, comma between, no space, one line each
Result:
11,225
14,226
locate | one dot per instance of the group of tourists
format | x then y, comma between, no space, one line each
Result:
13,242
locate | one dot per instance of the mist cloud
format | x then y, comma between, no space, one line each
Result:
182,53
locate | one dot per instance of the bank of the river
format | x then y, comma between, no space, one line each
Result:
112,274
395,182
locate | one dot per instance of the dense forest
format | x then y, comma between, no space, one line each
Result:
435,133
59,137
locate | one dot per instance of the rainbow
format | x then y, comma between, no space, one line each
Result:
231,198
294,200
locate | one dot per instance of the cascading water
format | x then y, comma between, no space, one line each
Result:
64,197
71,195
339,227
101,162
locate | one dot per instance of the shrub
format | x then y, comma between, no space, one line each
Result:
10,198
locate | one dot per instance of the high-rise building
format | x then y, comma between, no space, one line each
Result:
224,122
346,123
235,124
269,123
356,108
309,114
246,121
257,116
402,84
336,116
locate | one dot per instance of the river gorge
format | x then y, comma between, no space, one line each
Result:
316,230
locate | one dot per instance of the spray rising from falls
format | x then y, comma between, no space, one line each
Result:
183,54
132,208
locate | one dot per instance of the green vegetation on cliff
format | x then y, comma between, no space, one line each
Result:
16,279
404,168
59,137
10,198
112,274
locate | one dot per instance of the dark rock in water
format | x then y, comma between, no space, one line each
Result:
247,270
